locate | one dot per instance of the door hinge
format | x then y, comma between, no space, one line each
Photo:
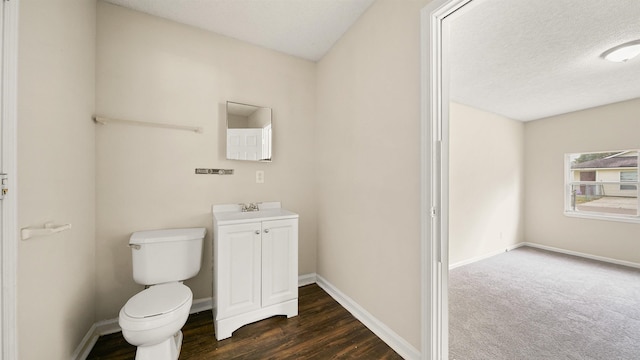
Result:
4,185
433,212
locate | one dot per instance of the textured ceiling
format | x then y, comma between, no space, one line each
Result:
302,28
528,59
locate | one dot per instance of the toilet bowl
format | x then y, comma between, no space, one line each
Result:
152,319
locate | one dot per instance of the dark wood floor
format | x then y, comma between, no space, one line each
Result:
322,330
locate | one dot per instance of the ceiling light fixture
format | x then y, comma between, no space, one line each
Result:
623,52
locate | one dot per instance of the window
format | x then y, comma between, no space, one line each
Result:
628,176
602,185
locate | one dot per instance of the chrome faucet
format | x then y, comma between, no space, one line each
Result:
249,207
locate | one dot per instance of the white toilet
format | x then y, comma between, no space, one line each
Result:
152,319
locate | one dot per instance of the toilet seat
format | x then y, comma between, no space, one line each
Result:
157,307
158,300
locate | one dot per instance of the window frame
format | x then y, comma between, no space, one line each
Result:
570,184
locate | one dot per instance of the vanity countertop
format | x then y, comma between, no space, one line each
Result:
231,214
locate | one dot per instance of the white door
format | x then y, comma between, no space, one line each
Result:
279,261
244,144
238,263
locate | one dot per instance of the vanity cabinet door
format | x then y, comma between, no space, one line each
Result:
239,268
279,261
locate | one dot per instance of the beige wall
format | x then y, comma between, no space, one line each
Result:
486,182
150,69
56,174
611,127
368,165
260,118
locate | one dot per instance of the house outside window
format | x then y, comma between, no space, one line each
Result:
602,185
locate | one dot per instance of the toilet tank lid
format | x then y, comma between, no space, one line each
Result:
154,236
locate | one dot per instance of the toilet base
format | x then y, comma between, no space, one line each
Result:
166,350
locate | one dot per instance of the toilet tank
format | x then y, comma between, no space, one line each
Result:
161,256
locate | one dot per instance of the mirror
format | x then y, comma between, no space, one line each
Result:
248,132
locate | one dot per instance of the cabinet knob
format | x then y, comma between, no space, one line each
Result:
266,231
257,232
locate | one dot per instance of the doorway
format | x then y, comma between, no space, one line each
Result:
436,96
434,177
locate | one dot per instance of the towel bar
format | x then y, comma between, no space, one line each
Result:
104,121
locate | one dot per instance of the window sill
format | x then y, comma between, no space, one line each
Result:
605,217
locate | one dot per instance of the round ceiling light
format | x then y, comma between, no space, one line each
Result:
623,52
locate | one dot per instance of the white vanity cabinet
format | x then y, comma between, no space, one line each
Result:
255,265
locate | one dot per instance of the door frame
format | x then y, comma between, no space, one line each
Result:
9,123
434,121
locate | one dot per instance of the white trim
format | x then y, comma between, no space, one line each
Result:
106,327
395,341
9,166
584,255
90,339
200,305
486,256
602,216
434,177
307,279
548,248
111,326
429,327
387,335
87,343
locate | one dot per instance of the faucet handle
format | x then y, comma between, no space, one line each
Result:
250,206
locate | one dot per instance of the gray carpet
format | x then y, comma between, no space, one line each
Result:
535,304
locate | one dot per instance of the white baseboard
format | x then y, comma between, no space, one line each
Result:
307,279
395,341
485,256
110,326
387,335
548,248
106,327
200,305
587,256
87,343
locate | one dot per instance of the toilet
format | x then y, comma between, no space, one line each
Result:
153,318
